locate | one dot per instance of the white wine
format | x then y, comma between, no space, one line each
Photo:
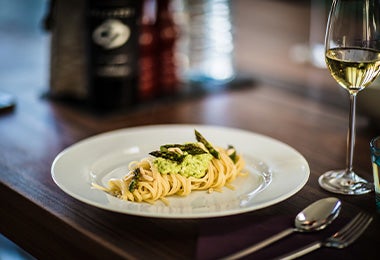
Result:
353,68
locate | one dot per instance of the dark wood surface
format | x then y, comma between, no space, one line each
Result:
295,103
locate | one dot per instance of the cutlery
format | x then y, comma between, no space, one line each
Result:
341,239
314,217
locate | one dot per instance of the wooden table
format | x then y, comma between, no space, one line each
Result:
297,104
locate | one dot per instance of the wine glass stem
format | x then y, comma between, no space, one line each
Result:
351,135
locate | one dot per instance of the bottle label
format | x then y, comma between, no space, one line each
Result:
114,41
112,33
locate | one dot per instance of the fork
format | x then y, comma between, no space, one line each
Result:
341,239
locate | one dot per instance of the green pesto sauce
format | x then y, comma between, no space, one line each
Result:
192,165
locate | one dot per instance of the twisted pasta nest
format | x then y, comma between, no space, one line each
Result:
153,185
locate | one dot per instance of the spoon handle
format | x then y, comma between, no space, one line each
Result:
260,245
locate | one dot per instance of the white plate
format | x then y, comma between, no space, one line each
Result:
101,157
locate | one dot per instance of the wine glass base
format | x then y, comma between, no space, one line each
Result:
340,182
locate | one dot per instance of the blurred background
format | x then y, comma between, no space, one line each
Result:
24,45
254,40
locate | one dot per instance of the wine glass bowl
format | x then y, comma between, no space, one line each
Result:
353,68
352,54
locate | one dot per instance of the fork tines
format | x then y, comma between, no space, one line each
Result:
352,230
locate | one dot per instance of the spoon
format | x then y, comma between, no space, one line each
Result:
314,217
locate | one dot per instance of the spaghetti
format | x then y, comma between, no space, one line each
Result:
148,181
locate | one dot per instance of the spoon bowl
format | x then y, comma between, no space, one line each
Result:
318,215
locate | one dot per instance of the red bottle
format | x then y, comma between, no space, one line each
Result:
168,34
148,63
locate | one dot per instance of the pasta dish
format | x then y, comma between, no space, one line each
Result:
178,169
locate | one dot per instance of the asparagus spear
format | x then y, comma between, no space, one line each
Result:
133,184
190,148
232,153
168,155
209,147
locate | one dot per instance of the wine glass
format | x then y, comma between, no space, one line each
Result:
352,52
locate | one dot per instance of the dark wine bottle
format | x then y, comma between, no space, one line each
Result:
113,34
